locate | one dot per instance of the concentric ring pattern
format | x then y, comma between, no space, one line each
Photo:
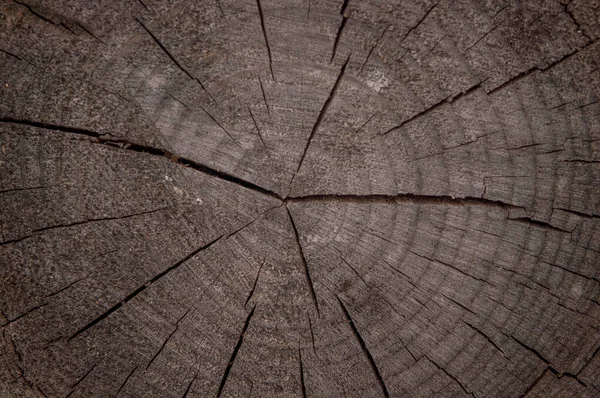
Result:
300,198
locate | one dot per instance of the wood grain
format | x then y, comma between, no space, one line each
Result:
309,198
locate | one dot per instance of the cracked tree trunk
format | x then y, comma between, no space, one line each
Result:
309,198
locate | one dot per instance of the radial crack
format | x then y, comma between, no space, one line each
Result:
302,385
255,283
419,22
322,113
304,263
340,29
262,89
169,337
126,380
449,375
217,123
371,51
365,350
264,30
172,58
256,125
126,145
141,289
433,107
235,352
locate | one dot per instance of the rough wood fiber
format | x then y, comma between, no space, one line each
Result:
309,198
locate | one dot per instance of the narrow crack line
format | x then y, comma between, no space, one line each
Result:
450,376
147,9
169,337
322,113
235,352
404,198
302,385
549,366
579,28
591,278
220,7
43,18
29,311
17,57
262,89
591,358
354,270
459,304
304,263
217,123
539,224
64,288
531,70
256,125
79,380
172,58
92,220
581,161
340,29
27,189
484,36
485,336
141,289
364,348
372,49
447,100
255,283
535,383
89,33
264,30
178,101
126,145
532,350
126,380
435,260
312,334
189,387
364,124
419,22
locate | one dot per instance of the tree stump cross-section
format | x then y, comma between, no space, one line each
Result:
300,198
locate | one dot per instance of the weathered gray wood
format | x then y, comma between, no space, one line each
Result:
310,198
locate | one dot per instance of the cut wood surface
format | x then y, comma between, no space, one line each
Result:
300,198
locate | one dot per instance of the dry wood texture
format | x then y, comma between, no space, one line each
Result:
299,198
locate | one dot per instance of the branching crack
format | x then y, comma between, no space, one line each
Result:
235,352
142,288
365,350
